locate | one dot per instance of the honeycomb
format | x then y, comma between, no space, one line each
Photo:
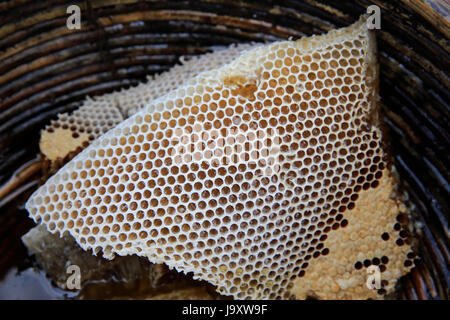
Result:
99,114
260,176
375,235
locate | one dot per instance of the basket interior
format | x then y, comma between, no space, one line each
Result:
46,69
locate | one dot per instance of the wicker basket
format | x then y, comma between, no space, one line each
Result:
45,69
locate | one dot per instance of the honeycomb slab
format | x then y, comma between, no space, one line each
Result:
254,176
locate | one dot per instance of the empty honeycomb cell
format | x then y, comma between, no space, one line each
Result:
264,186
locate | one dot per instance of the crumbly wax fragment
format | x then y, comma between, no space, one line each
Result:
55,254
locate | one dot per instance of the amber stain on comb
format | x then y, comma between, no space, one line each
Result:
241,86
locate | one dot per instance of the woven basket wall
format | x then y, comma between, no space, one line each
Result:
45,69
